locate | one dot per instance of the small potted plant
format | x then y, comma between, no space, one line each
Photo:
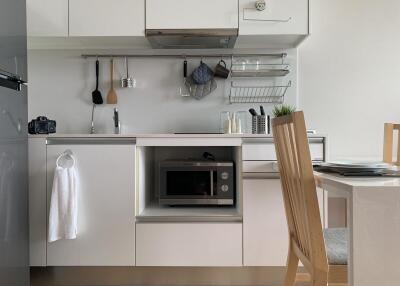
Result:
282,110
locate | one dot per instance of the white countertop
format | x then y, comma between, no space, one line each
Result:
348,183
156,135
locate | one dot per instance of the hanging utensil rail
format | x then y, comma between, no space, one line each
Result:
183,55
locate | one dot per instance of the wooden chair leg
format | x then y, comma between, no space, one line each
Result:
291,269
319,278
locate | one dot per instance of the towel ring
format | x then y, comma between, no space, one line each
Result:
67,154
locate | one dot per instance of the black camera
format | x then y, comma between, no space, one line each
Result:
42,125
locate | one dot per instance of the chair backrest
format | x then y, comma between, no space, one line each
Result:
390,128
299,190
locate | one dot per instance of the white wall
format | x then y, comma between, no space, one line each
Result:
61,83
349,69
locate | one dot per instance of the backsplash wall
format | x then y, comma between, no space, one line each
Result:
61,83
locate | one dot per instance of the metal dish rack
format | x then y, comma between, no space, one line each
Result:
258,94
259,70
258,66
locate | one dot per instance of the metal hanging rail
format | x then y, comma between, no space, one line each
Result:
183,55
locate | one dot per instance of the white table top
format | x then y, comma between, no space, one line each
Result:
351,183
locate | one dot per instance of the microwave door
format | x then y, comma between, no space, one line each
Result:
189,184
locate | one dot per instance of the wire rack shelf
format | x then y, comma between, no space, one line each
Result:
258,94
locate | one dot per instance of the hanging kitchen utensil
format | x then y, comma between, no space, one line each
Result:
202,74
96,94
127,82
184,90
112,95
199,91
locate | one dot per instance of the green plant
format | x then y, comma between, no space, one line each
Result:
282,110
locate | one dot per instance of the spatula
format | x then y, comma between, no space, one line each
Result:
112,95
96,94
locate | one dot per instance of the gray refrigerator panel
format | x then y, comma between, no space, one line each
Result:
14,236
13,37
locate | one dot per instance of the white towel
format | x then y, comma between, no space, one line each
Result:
64,203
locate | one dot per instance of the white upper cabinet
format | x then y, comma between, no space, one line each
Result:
280,17
47,18
191,14
106,17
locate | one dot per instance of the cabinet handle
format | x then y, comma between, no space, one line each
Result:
262,20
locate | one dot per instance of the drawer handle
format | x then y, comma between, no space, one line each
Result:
275,166
260,7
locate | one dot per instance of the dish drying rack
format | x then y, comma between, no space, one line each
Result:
258,94
256,67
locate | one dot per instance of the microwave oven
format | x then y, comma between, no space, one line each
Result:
196,183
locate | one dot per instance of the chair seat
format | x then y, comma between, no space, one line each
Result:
336,245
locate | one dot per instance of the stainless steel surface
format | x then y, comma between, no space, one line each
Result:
127,81
86,141
196,183
258,124
179,163
13,38
258,94
9,80
14,233
210,201
92,129
186,54
192,38
256,176
263,72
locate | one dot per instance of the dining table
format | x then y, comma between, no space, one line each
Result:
373,222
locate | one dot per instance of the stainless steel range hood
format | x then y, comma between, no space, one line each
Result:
192,38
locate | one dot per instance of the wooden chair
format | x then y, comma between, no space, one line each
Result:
306,234
390,128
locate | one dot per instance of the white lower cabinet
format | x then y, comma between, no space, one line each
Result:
265,233
189,244
106,200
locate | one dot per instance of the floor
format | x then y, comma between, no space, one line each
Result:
156,276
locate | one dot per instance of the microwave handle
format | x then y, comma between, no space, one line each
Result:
212,182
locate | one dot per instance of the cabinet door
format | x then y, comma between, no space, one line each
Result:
280,17
189,244
47,18
106,217
106,17
191,14
265,233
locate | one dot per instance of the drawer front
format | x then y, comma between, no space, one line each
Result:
260,152
260,167
189,244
